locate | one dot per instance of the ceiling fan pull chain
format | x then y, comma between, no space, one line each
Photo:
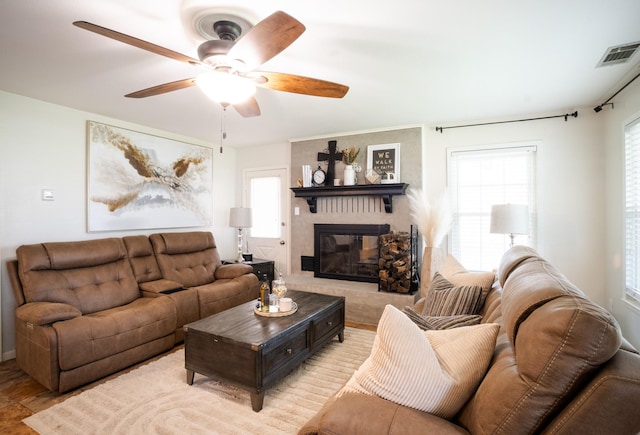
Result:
223,130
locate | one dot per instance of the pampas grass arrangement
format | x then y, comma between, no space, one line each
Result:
432,216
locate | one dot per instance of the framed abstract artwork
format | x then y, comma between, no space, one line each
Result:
140,181
385,160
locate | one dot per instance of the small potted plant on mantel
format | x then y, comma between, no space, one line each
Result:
349,156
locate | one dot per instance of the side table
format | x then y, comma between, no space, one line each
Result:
260,267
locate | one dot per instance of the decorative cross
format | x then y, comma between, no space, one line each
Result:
331,157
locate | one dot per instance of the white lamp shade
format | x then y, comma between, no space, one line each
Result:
509,219
240,217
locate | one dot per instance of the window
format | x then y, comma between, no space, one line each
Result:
478,179
265,206
632,209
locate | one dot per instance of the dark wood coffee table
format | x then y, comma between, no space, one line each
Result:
255,352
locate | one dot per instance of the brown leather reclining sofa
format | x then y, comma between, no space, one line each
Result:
87,309
560,366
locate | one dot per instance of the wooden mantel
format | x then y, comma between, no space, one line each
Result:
386,191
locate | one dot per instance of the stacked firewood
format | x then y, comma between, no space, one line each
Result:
395,262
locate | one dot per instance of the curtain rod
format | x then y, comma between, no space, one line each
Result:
565,116
599,108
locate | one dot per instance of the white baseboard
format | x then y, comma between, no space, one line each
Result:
9,355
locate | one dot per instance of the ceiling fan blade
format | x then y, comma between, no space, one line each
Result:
298,84
153,48
266,39
248,108
163,89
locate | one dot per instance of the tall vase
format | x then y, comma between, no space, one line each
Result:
432,260
349,175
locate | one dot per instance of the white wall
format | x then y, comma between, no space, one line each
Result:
570,176
579,173
43,146
626,108
259,157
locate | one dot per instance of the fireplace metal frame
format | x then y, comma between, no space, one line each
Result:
345,229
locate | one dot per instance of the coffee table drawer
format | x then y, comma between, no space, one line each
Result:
291,349
330,323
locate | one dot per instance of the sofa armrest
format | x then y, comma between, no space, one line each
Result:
161,286
354,413
45,313
230,271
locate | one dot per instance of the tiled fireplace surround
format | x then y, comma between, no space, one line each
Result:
363,301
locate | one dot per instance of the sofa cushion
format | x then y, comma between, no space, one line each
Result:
145,266
186,243
91,275
354,413
445,299
554,340
72,255
92,337
432,371
188,258
512,259
142,258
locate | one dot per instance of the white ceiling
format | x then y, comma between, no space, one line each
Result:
407,62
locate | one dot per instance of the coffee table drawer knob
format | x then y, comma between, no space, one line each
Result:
289,351
329,324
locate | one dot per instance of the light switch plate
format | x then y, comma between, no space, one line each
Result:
48,195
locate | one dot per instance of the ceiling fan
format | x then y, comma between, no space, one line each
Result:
232,60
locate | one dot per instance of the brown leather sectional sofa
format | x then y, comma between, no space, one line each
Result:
560,366
86,309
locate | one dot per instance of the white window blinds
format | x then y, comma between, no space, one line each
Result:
479,179
632,209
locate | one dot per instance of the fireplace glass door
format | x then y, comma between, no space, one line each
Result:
348,252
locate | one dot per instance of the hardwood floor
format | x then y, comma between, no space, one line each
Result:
21,396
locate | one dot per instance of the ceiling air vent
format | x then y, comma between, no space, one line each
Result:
619,54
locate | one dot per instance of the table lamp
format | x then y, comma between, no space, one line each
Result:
509,219
240,217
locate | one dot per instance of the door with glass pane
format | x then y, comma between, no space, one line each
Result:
267,193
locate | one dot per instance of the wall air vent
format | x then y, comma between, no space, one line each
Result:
619,54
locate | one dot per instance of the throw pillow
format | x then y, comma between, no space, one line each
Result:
455,272
432,371
445,299
441,322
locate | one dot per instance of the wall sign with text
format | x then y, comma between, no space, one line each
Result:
385,159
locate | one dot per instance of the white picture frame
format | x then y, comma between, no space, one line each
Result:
137,181
385,159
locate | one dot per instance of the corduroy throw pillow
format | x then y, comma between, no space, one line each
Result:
432,371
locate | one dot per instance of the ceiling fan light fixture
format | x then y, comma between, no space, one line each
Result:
224,87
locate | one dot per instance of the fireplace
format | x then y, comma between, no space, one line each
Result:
347,251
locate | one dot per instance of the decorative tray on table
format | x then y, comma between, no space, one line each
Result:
294,308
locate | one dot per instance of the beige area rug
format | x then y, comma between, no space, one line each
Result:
155,398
